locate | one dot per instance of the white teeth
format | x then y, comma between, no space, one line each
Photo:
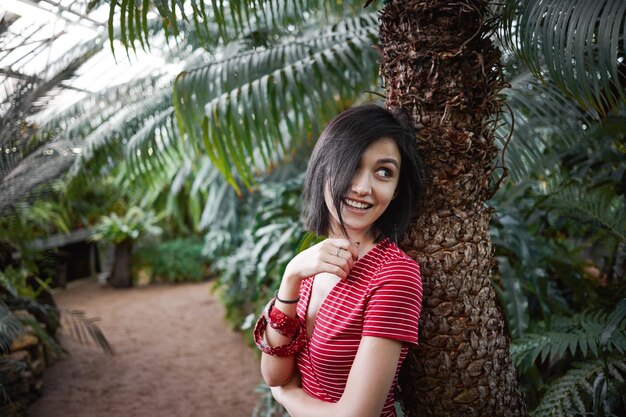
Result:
356,204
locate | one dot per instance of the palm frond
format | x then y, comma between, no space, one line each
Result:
279,101
240,16
578,336
84,115
84,329
78,144
10,328
515,302
109,131
165,167
133,119
578,43
74,133
542,118
573,393
217,21
595,206
221,201
29,99
52,346
49,163
155,138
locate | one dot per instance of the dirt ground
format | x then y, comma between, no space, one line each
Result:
174,357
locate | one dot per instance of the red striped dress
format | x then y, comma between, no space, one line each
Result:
381,297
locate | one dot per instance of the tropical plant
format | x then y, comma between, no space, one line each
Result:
117,229
268,235
171,261
123,231
28,162
21,289
26,221
28,309
583,360
558,243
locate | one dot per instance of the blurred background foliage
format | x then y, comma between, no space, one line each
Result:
217,152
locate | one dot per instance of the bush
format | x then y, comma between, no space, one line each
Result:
251,256
173,261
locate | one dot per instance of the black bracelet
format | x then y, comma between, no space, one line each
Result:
285,301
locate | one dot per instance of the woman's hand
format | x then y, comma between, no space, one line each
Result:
334,255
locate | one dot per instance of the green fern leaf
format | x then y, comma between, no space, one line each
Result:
579,336
269,99
588,34
573,393
10,328
593,206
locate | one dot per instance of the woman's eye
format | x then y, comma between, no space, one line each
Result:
384,172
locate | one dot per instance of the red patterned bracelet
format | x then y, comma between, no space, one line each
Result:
282,323
289,349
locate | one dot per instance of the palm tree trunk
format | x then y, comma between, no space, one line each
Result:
121,271
440,65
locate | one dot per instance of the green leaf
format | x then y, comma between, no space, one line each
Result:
596,206
542,117
514,299
570,394
10,328
616,317
578,43
255,150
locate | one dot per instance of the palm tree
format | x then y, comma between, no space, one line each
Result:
441,65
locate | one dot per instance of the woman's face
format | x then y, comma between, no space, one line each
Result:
372,188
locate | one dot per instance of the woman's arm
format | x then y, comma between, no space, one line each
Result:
335,256
277,370
366,390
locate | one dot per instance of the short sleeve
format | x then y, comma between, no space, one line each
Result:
394,302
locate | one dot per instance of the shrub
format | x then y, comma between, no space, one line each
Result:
173,261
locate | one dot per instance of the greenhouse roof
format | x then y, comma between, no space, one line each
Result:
41,41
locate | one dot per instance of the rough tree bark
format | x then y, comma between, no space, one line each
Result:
439,63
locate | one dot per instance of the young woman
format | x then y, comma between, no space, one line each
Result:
338,329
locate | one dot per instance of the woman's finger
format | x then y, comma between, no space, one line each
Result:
337,270
353,248
347,256
346,245
335,263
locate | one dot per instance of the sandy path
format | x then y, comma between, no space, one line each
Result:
175,357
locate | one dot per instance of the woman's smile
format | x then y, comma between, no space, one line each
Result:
357,205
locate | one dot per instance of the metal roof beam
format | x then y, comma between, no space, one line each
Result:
82,16
30,8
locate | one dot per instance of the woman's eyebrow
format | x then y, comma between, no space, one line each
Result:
388,161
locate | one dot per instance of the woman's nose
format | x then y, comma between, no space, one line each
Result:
361,184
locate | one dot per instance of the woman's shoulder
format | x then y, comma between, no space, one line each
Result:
394,256
396,264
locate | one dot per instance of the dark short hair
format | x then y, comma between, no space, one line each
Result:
336,157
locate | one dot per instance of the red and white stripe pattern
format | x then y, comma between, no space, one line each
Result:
381,297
